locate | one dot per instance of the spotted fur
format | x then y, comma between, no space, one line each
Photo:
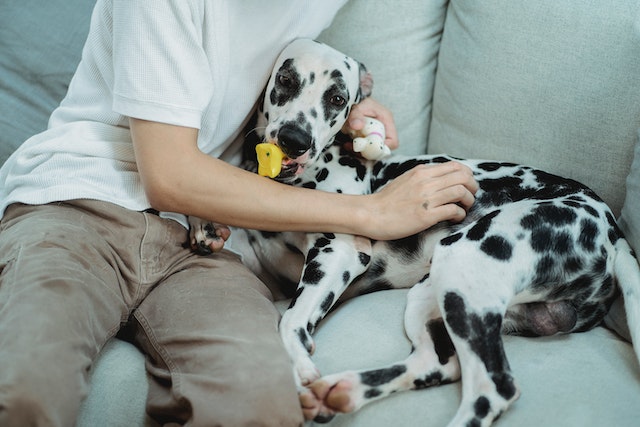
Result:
536,255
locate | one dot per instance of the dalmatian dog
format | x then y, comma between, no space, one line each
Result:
536,255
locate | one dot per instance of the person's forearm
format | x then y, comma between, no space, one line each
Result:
232,196
179,178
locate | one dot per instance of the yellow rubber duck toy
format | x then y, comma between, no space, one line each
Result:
270,158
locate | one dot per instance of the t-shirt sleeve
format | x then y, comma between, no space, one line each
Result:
161,71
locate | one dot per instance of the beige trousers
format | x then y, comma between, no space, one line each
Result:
74,274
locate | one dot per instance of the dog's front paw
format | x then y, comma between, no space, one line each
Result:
306,370
206,237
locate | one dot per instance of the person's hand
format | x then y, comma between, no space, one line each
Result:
421,198
369,107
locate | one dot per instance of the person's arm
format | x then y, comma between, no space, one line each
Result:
178,177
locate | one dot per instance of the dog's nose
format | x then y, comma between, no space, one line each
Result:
293,140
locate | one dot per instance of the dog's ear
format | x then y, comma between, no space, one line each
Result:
366,83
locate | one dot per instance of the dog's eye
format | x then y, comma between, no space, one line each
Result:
337,100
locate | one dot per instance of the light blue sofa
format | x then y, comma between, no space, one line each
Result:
551,83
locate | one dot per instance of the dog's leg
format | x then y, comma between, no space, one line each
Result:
332,262
432,362
473,303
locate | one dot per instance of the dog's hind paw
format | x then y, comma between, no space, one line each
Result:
325,398
313,408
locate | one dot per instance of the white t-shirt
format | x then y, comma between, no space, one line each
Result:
193,63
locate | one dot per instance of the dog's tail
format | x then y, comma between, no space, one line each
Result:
627,272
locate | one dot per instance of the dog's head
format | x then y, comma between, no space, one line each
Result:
308,99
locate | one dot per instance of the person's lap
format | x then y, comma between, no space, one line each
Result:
72,273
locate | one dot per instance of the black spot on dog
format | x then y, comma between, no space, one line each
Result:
322,174
545,239
483,333
327,303
313,254
499,191
327,157
573,264
378,377
313,273
365,259
545,271
346,277
288,84
441,340
377,269
323,241
480,228
449,240
494,166
556,215
305,339
296,296
372,393
497,247
541,239
588,234
454,308
430,380
505,385
354,162
591,211
481,407
310,184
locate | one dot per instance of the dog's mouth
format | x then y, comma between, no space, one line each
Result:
276,163
292,167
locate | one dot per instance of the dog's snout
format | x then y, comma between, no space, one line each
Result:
293,140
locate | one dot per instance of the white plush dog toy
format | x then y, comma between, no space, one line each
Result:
369,141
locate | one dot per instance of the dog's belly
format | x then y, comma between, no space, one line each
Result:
399,263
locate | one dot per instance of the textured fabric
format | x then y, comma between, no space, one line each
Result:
40,48
119,388
399,45
88,145
553,84
198,319
630,225
587,379
630,218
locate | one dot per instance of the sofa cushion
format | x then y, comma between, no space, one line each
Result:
119,388
399,45
584,379
630,217
630,225
554,84
40,48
